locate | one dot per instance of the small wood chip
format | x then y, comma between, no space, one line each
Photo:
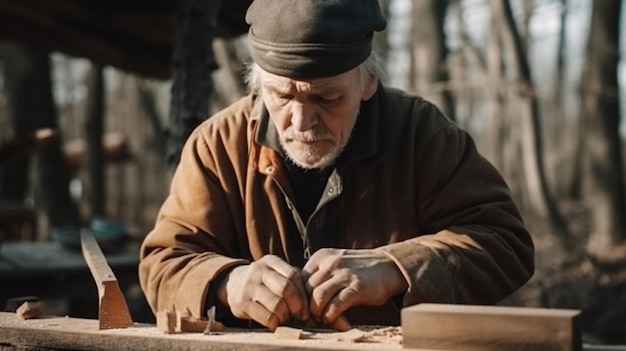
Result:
389,332
166,322
288,333
352,335
189,324
30,310
217,327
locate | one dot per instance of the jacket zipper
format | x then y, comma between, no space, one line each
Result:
332,190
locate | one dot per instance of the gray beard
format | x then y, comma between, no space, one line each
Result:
326,161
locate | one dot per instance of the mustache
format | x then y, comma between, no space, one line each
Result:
312,135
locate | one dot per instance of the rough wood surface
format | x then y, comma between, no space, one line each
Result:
352,335
64,333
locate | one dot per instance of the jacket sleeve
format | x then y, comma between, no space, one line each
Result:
477,249
182,255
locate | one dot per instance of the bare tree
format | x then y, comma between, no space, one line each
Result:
603,183
530,128
194,62
467,64
502,142
33,106
381,42
94,126
429,53
20,78
147,102
230,56
556,122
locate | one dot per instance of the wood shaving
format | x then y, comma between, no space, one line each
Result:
29,310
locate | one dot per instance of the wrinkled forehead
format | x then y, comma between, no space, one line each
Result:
344,81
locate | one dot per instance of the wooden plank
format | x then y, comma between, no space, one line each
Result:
65,333
113,310
486,328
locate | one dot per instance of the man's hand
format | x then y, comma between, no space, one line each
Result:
268,291
338,279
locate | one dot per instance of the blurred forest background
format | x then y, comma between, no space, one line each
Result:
536,82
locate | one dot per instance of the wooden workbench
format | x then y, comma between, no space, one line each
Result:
64,333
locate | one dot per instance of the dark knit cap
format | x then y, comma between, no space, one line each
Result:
312,38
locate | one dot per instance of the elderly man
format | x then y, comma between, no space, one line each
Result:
326,198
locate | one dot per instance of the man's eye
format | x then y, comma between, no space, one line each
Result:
283,98
328,101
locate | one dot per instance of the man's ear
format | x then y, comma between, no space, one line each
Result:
370,88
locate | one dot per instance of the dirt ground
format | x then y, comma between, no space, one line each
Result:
570,279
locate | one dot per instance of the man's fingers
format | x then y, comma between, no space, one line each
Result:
294,298
310,268
263,316
339,303
273,303
316,279
341,324
292,289
260,291
332,298
322,294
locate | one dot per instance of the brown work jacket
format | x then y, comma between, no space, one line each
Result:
410,183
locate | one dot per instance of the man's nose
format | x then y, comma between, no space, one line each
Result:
303,116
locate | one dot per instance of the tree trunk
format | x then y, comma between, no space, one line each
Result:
540,196
231,85
381,42
500,141
468,65
21,76
193,64
34,105
94,130
560,142
603,183
147,103
429,54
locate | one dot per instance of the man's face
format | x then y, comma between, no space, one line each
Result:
314,117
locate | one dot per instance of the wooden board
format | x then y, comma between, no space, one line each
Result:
113,310
486,328
64,333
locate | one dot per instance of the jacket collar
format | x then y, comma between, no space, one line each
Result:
366,139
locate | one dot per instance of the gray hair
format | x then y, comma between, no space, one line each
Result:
370,69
